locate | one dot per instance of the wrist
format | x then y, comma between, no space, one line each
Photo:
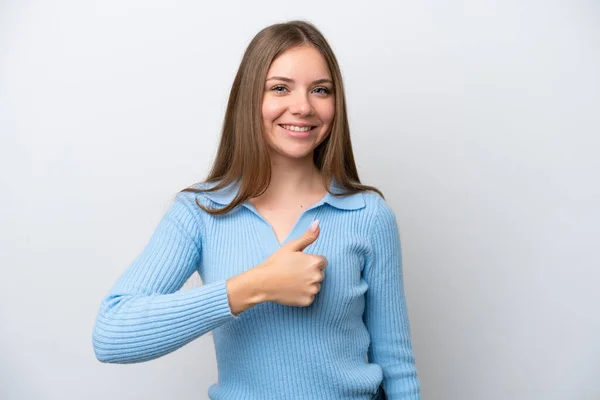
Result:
245,291
257,282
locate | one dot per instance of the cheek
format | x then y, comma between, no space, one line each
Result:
271,109
327,111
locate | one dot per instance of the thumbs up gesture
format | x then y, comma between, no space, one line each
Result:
291,277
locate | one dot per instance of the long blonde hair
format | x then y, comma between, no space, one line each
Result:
243,154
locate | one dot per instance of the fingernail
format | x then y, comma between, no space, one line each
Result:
314,225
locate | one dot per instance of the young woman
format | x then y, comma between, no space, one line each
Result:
301,263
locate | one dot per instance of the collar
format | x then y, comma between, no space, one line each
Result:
350,202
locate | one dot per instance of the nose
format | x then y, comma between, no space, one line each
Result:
300,105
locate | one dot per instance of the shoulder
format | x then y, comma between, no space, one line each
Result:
380,214
377,205
192,195
186,203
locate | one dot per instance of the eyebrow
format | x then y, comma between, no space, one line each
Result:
282,78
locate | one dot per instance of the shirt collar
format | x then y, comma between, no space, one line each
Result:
350,202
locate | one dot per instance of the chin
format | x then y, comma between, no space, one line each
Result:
297,153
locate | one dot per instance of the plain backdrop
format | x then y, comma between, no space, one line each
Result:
479,120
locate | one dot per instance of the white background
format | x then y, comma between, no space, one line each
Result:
479,120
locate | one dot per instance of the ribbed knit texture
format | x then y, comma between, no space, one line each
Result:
270,351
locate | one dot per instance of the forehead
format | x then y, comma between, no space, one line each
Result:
300,62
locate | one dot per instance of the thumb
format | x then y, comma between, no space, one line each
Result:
307,239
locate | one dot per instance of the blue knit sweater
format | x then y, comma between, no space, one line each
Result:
352,338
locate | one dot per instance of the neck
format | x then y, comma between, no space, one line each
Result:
293,178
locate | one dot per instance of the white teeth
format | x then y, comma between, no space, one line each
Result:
297,128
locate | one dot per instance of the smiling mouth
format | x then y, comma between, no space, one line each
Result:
295,128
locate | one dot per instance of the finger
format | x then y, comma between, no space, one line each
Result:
305,240
320,277
323,262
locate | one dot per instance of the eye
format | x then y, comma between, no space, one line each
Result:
322,90
279,89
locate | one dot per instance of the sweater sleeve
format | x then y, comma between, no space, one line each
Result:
386,315
144,315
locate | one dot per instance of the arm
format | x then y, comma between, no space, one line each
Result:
144,316
386,316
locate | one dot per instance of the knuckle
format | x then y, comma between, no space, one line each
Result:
323,262
309,300
320,262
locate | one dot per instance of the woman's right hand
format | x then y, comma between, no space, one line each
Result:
291,277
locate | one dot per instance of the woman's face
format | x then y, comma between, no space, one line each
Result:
298,103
